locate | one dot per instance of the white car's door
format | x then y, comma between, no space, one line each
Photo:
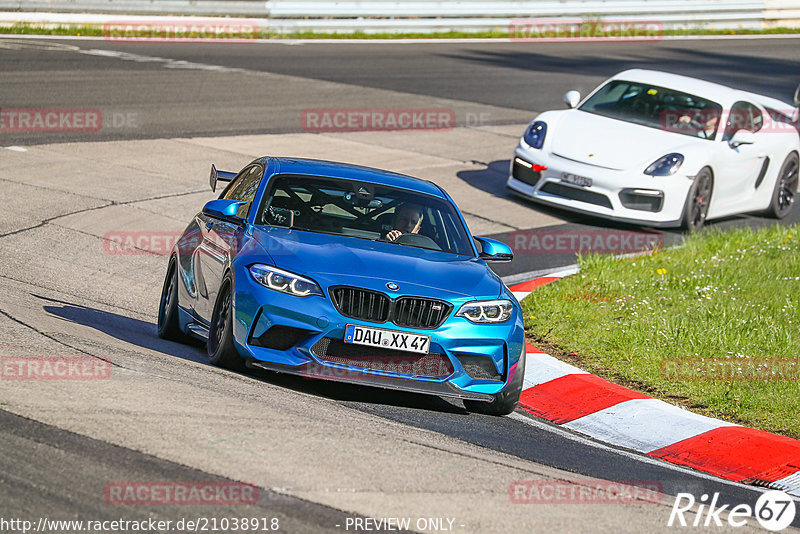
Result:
737,167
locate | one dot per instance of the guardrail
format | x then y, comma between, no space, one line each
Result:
782,13
400,16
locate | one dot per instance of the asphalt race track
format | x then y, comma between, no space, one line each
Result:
319,455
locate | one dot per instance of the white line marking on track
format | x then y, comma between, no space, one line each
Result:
790,484
628,454
16,148
520,295
513,279
644,425
541,368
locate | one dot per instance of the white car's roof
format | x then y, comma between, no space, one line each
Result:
716,92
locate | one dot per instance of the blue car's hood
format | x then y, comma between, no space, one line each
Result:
339,260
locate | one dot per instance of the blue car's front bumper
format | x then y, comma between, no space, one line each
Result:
307,320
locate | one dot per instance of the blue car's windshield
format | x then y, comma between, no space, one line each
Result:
364,210
656,107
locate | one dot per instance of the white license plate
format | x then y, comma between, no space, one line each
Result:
386,339
574,179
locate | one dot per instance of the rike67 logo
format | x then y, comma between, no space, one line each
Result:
774,510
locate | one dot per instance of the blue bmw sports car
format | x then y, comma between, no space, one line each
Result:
339,272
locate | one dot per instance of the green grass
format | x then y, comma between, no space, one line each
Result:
500,33
732,296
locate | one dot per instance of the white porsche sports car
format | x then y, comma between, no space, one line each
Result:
660,149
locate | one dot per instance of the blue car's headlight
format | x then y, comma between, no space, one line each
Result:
284,281
487,311
665,166
534,134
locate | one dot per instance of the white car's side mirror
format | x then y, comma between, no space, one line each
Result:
742,137
571,99
797,97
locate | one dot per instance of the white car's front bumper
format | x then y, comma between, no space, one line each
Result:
624,196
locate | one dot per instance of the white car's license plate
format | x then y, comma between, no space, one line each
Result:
386,339
574,179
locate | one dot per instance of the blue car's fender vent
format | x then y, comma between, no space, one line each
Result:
430,365
373,306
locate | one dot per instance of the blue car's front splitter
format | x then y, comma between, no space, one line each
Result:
315,371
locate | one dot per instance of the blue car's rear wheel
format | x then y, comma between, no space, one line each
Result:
506,401
168,327
221,350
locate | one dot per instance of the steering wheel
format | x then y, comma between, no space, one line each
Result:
697,122
418,240
700,124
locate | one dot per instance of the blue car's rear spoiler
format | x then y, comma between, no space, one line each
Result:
219,176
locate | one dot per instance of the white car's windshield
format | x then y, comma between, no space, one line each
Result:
366,211
656,107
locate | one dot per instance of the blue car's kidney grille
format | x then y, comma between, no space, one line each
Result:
416,312
361,304
372,306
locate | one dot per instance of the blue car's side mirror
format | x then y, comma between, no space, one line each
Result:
493,250
223,209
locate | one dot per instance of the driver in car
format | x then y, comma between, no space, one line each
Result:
407,220
703,121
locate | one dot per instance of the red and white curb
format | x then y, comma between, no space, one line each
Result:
585,403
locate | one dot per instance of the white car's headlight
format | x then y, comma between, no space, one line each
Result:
666,165
284,281
534,134
487,311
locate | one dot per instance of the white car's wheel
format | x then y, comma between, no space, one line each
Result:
785,188
696,209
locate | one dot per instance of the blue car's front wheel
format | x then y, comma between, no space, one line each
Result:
221,350
506,401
